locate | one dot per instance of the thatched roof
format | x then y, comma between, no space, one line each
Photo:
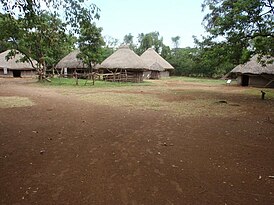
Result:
150,56
254,67
71,61
14,63
157,67
124,58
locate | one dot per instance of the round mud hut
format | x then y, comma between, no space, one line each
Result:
14,67
254,73
70,64
158,66
123,66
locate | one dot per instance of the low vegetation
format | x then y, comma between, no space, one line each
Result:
15,101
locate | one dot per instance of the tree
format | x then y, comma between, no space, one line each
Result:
242,23
45,41
128,40
74,10
90,44
176,41
150,40
38,30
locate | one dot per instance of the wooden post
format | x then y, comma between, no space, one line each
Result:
76,75
263,95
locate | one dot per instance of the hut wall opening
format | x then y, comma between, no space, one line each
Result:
16,73
245,80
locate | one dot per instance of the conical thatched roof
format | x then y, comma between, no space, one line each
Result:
14,63
150,56
71,61
124,58
254,67
156,66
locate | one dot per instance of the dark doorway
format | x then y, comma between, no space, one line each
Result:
245,80
17,73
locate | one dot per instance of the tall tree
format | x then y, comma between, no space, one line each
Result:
176,41
152,39
128,40
242,23
90,44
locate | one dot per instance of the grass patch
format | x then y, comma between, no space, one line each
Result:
257,92
15,101
71,82
195,107
199,80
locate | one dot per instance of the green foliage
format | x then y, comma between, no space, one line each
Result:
128,40
149,40
38,33
245,24
176,41
44,39
74,11
90,44
182,61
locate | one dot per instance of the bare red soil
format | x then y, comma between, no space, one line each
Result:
66,151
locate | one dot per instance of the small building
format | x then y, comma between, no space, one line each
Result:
253,73
14,68
123,65
70,64
158,66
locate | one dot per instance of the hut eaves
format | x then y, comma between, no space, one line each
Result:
14,63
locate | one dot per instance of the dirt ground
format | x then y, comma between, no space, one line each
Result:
68,150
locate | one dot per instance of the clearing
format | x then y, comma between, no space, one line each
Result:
173,141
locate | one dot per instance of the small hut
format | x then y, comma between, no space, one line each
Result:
253,73
158,66
70,64
123,65
14,68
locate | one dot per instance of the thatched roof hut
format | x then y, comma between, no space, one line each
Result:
254,73
13,67
124,65
71,61
124,58
158,66
150,57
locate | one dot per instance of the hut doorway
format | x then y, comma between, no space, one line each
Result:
245,80
16,73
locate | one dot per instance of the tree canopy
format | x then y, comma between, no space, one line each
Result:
243,24
90,44
37,31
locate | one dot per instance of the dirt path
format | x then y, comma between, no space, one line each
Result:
66,151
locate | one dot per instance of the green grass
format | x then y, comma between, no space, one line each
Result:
257,92
71,82
15,101
199,80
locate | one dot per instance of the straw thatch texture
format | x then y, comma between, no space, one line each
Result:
156,67
124,58
254,67
71,61
150,57
14,63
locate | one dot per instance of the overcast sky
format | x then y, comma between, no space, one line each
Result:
170,17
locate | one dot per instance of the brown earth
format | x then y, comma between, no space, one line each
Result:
64,150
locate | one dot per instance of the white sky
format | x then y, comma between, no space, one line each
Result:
170,17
